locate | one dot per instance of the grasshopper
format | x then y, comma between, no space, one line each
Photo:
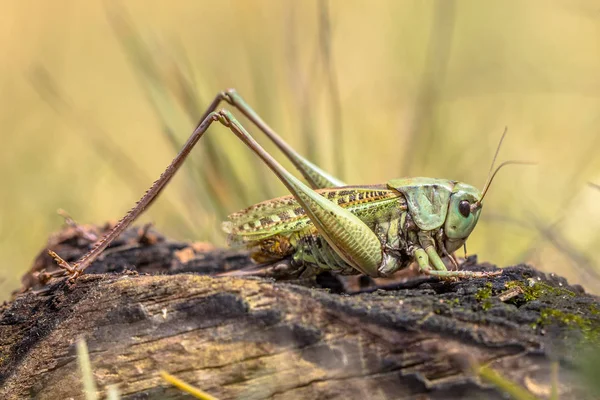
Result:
330,226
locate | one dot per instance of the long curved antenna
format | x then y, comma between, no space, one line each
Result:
495,156
491,175
504,164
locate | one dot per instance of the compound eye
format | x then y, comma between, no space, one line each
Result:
464,207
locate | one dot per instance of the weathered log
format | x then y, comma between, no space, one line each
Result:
260,339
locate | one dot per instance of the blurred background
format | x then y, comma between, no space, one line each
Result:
98,96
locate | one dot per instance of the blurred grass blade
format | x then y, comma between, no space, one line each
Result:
112,392
580,260
135,178
178,383
163,84
220,169
585,161
302,84
513,389
555,381
334,90
100,141
421,129
83,358
156,93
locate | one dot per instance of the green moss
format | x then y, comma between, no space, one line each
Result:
454,302
483,295
538,289
589,328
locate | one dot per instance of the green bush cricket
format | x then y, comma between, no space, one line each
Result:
330,226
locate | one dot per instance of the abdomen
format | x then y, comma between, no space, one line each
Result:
279,229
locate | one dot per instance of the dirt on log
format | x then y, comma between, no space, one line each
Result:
150,304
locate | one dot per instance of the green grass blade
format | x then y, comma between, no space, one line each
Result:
512,388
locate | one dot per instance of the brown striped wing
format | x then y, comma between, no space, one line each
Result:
284,215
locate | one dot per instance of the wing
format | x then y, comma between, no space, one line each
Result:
284,215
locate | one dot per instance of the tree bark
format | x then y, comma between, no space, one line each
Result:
250,338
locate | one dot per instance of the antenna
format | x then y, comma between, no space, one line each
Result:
487,181
492,175
504,164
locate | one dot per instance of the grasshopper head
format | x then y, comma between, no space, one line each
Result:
465,207
463,212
